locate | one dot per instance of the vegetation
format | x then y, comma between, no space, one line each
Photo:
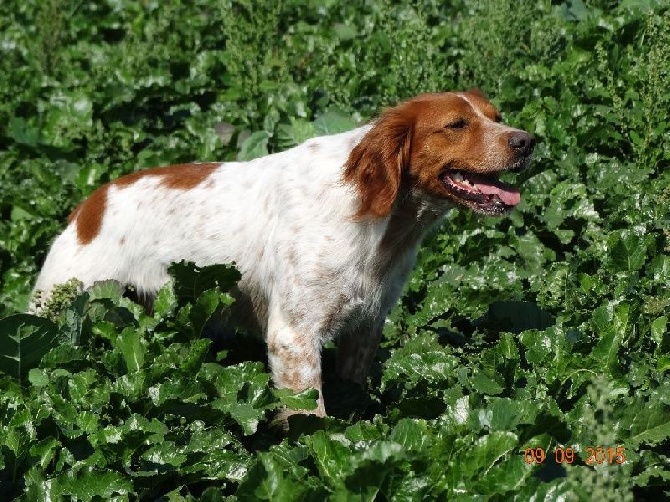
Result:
521,346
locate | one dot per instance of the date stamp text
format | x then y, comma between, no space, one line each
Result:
593,455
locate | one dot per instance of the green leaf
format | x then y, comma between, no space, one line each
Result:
333,122
45,451
22,132
165,453
132,347
256,145
76,325
659,329
305,400
24,339
165,302
245,415
628,250
421,359
611,324
332,456
411,434
38,378
507,414
344,31
191,281
87,485
650,426
489,450
296,133
204,307
270,478
105,289
484,384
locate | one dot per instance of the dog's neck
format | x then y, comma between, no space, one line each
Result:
413,214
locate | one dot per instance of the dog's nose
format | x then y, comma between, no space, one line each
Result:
522,142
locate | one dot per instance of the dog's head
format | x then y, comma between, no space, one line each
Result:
451,146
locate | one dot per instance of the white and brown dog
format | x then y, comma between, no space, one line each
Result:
324,234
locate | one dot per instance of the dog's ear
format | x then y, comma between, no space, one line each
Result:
376,165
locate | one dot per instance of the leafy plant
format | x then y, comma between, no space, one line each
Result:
520,342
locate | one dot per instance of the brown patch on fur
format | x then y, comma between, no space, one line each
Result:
178,177
122,241
88,215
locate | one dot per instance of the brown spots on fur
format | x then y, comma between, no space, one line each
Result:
334,313
296,367
296,316
122,241
292,379
90,213
292,257
313,146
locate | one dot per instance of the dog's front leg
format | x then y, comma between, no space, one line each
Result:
356,351
294,354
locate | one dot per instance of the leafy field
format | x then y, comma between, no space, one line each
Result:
530,355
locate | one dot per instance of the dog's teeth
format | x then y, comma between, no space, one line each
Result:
459,177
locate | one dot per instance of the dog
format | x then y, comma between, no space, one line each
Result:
324,234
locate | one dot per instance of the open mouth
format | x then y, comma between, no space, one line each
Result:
484,193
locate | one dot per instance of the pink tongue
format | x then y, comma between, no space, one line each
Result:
509,195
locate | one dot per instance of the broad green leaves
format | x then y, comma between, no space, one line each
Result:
548,327
24,339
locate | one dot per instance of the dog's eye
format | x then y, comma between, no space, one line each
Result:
456,124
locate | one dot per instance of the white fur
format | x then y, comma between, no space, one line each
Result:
247,207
